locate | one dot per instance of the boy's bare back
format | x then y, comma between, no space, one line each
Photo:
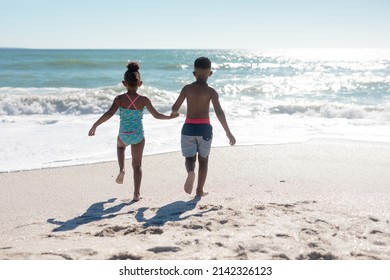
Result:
198,95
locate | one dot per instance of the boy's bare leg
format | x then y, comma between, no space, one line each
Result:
202,174
136,153
190,166
120,150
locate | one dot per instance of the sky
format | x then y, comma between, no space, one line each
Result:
194,24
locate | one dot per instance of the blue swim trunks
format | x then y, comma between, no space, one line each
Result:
196,138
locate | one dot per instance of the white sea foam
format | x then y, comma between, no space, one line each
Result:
73,101
45,141
66,101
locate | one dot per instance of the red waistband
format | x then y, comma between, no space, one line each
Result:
198,121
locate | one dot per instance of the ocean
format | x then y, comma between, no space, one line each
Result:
50,98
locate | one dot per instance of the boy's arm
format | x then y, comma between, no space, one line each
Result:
179,102
221,117
106,116
154,112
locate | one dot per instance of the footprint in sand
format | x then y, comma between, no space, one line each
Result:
283,205
122,230
193,226
222,222
280,257
312,245
282,235
125,256
381,233
260,207
210,206
152,230
64,256
379,243
317,256
363,256
110,231
242,254
162,249
309,231
373,219
86,251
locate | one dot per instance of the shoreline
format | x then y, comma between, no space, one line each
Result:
339,141
286,201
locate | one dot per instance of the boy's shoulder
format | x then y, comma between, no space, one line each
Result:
195,85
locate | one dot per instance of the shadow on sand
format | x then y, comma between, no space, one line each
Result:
95,212
170,213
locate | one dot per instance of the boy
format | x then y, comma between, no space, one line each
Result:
196,134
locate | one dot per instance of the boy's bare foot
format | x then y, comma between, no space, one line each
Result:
201,194
119,179
189,184
136,197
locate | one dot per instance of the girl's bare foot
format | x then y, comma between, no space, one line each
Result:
189,184
119,179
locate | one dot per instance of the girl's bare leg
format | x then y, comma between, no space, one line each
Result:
137,151
120,150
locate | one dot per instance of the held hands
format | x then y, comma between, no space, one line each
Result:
174,114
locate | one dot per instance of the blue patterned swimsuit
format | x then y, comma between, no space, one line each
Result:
131,130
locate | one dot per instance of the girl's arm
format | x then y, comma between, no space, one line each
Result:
106,116
154,112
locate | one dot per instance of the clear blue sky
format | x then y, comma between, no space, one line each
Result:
259,24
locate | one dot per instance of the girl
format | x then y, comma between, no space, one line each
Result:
131,106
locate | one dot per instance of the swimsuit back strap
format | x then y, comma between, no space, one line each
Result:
132,102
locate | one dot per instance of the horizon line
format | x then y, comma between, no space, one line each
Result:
192,49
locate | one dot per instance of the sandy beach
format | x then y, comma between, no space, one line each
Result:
312,200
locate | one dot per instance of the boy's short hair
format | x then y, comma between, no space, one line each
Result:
202,63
